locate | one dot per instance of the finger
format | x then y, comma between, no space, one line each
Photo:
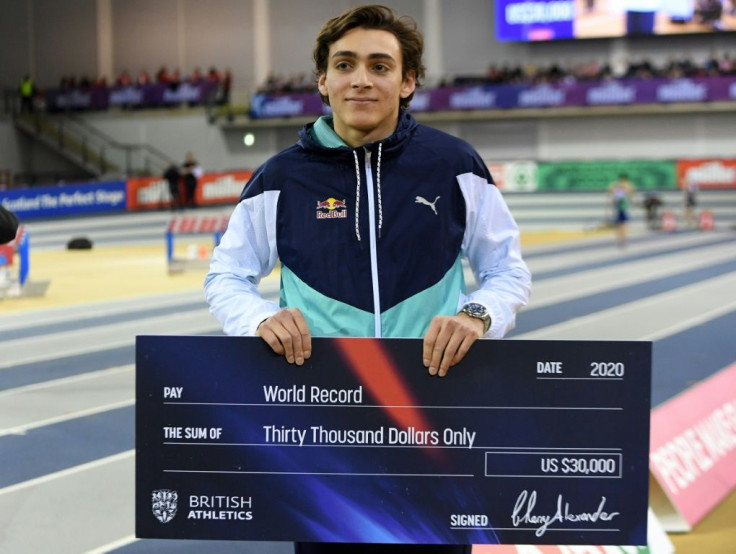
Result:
299,340
304,335
275,332
292,332
270,338
463,349
285,338
291,338
438,348
448,355
429,340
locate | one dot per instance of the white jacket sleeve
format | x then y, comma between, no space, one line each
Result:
492,246
246,254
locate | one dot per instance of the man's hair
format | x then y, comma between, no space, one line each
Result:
404,28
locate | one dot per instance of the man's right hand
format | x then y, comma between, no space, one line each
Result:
287,333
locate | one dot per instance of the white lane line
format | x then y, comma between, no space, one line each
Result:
109,547
22,429
699,319
629,274
109,308
67,472
605,252
84,341
67,380
648,306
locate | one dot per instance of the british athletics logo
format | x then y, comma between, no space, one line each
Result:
164,503
331,208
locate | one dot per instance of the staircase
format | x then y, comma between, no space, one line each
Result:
90,149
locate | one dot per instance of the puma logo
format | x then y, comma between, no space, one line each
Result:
421,200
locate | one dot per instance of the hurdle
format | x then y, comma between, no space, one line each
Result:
19,286
192,225
668,222
706,220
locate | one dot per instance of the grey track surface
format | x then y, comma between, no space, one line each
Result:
67,375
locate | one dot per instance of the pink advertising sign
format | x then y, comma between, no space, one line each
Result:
693,451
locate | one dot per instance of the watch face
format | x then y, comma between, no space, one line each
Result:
475,310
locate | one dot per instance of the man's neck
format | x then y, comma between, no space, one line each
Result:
356,138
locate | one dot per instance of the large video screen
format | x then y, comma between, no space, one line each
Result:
543,20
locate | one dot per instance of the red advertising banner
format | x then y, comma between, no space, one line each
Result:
709,173
145,193
496,170
693,451
221,188
516,176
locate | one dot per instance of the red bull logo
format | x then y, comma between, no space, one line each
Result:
331,208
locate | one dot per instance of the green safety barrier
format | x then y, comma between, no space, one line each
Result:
598,175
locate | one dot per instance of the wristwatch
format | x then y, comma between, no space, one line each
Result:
478,311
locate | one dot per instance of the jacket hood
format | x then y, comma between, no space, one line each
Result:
391,144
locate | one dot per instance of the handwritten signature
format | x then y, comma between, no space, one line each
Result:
526,501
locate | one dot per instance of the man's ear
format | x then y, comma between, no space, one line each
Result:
409,84
322,85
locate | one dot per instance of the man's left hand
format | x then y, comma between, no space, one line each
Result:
448,340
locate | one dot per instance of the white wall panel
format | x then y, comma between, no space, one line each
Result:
145,35
65,39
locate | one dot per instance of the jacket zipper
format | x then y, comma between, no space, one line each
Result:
373,244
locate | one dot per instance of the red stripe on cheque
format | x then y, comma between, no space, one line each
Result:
382,379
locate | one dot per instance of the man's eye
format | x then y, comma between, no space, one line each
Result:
380,67
342,65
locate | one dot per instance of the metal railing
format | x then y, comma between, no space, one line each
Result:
135,159
96,152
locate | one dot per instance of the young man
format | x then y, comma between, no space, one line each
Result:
370,215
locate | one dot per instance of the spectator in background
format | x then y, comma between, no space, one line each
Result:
726,65
652,203
173,178
27,91
175,79
213,75
196,76
690,201
8,225
192,173
224,90
620,193
163,75
124,79
143,78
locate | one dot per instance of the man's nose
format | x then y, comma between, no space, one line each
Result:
361,77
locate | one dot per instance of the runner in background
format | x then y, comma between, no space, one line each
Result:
620,194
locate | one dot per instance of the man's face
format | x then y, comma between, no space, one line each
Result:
364,84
